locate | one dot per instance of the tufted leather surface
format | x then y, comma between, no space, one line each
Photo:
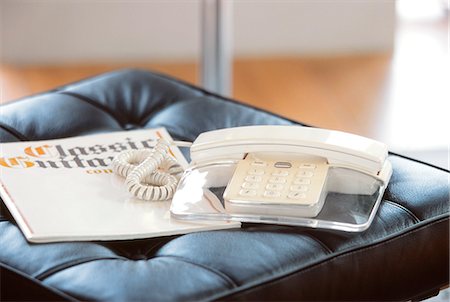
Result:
403,255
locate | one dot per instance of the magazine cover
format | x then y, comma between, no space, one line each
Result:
65,190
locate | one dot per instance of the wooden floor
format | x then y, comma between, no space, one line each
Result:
400,98
316,91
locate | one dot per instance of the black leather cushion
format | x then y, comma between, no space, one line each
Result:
403,255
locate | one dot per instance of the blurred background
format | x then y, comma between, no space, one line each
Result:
378,68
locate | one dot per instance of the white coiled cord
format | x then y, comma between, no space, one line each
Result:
150,174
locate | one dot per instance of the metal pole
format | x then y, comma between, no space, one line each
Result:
216,50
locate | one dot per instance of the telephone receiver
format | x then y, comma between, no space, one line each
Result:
340,149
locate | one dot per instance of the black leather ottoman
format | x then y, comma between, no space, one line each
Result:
403,255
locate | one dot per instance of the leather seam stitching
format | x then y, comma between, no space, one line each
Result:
325,261
404,209
156,109
222,98
321,243
153,248
89,80
56,269
373,246
120,120
14,132
224,276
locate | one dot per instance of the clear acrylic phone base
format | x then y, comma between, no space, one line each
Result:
345,199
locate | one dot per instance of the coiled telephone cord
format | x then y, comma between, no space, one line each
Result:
150,174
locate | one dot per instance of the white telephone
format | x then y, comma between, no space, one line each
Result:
284,169
276,170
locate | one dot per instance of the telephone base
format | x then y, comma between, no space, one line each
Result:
202,194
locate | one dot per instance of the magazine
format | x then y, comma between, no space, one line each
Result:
65,190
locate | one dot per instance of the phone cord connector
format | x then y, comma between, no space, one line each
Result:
150,174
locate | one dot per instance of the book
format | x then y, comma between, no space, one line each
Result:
65,190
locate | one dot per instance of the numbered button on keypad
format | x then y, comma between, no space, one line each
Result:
256,171
305,173
277,180
250,185
274,187
280,173
272,194
302,181
253,178
296,195
299,188
247,192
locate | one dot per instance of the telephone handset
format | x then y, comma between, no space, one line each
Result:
285,168
339,148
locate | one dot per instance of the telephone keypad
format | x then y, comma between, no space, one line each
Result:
275,182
